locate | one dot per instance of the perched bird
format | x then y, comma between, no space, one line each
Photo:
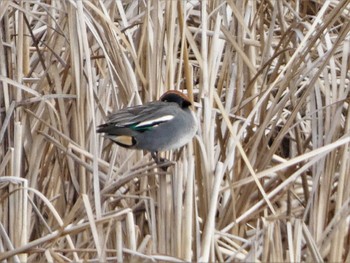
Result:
156,126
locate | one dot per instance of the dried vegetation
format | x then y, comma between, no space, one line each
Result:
267,177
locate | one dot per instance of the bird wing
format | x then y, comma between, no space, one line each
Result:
140,118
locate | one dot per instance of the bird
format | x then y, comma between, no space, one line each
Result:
162,125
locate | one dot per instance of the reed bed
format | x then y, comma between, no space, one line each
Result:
267,176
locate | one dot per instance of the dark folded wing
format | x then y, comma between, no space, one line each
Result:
139,118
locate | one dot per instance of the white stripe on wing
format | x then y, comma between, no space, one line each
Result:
155,121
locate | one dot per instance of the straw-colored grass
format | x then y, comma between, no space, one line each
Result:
267,176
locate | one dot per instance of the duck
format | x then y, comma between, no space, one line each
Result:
166,124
